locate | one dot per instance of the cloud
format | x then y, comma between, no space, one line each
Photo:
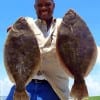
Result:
93,85
98,57
5,86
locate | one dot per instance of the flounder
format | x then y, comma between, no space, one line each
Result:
77,51
21,56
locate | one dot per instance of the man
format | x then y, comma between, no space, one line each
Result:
51,82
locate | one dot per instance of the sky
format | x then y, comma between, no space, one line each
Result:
11,10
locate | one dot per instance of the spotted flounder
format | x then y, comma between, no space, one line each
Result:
21,56
76,50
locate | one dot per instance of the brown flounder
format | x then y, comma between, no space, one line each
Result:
76,50
21,56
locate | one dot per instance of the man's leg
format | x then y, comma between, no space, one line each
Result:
41,90
37,91
10,95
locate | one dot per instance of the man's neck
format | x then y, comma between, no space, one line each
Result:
48,22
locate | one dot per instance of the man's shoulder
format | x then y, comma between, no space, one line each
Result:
58,21
29,18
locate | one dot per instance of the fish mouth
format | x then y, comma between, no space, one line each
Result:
71,13
20,24
70,16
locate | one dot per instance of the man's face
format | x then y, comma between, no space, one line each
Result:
44,9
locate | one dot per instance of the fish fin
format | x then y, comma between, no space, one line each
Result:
79,89
21,95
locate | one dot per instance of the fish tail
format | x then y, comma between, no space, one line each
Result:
21,95
79,89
